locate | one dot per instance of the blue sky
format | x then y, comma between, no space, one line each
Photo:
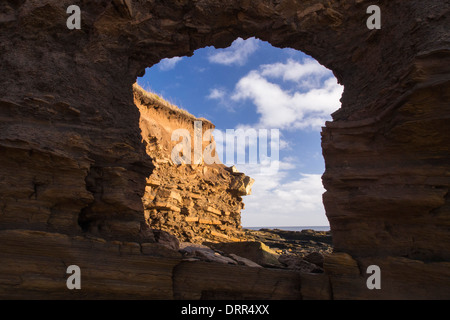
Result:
252,85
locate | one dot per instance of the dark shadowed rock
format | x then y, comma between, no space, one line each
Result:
257,252
315,258
299,264
74,168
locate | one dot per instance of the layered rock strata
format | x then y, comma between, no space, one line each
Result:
34,266
194,201
72,161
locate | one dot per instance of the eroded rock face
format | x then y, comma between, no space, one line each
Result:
72,162
191,199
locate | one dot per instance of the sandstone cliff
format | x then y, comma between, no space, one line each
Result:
74,170
195,202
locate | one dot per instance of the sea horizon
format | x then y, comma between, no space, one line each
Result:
292,228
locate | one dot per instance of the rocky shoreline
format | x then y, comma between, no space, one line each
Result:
267,248
298,242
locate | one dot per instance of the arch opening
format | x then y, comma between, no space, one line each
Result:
262,92
72,142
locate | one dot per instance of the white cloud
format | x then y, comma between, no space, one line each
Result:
216,94
294,71
284,196
277,198
169,63
222,97
275,202
309,107
272,103
281,195
237,54
283,144
249,145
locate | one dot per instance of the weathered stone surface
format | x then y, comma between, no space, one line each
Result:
203,280
193,252
296,263
340,263
188,200
34,265
307,244
241,185
348,278
73,163
315,258
254,251
315,286
244,261
205,253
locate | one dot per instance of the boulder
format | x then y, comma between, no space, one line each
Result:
204,253
315,258
241,185
297,263
244,261
257,252
166,239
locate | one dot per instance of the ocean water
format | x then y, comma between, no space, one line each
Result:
293,228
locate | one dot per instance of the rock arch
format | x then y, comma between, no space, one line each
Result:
71,145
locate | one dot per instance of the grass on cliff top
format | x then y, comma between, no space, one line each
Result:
152,98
